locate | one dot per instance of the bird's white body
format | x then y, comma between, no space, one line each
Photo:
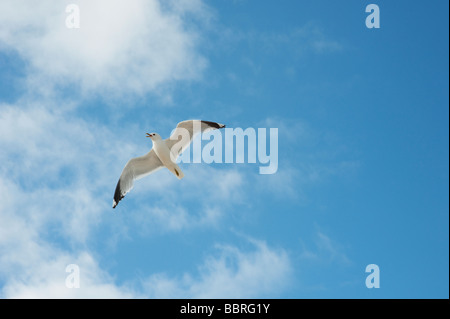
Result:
163,154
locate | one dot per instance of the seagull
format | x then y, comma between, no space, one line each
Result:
163,154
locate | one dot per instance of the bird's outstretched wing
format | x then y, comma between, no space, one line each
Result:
185,132
135,169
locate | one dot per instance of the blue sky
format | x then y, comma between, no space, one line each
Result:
362,118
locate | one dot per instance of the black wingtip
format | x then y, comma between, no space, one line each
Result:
117,195
214,124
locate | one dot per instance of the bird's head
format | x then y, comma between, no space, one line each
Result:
154,136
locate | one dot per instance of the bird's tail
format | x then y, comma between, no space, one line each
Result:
177,172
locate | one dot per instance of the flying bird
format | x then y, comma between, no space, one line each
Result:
163,154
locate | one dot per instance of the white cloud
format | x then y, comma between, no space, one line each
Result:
232,273
30,265
33,266
120,48
51,161
46,278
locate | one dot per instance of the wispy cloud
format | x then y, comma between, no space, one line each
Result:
309,38
31,266
294,43
208,192
231,273
325,250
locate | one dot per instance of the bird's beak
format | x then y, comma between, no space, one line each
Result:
148,135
